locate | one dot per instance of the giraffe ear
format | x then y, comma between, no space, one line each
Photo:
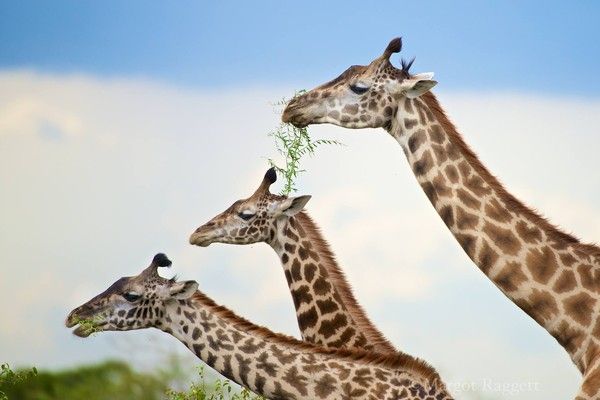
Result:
412,87
183,290
423,76
292,205
418,84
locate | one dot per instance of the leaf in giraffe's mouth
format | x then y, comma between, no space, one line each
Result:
86,327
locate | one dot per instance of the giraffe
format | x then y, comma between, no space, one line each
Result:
551,275
270,364
326,309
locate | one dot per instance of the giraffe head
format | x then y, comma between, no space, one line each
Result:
134,302
250,220
363,96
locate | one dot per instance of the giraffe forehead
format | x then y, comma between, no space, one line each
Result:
251,202
266,200
376,73
234,207
351,73
116,288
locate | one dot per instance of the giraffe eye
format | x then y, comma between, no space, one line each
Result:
245,215
131,296
358,89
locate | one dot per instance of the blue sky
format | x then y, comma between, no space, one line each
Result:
544,47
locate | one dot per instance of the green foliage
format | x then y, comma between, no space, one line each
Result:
292,144
216,390
9,378
104,381
116,380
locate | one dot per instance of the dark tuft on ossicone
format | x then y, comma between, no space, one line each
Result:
161,260
271,175
394,47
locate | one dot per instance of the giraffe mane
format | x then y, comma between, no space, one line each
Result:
396,360
554,232
339,280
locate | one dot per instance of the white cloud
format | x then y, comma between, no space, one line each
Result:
100,174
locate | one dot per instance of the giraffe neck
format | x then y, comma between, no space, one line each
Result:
549,274
280,367
327,311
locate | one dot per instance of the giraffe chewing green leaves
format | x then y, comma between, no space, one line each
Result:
292,144
88,326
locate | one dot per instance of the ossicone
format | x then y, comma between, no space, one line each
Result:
271,175
393,47
161,260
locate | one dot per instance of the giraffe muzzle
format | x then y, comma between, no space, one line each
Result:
202,238
293,113
84,321
301,113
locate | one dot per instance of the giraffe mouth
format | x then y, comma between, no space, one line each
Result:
84,327
81,332
291,116
199,239
87,328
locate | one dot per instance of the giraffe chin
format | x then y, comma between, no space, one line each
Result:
300,124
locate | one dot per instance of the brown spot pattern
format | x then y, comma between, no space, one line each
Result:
542,264
510,277
565,282
580,307
495,210
503,238
465,220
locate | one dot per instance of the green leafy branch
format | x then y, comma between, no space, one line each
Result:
9,377
292,144
221,390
